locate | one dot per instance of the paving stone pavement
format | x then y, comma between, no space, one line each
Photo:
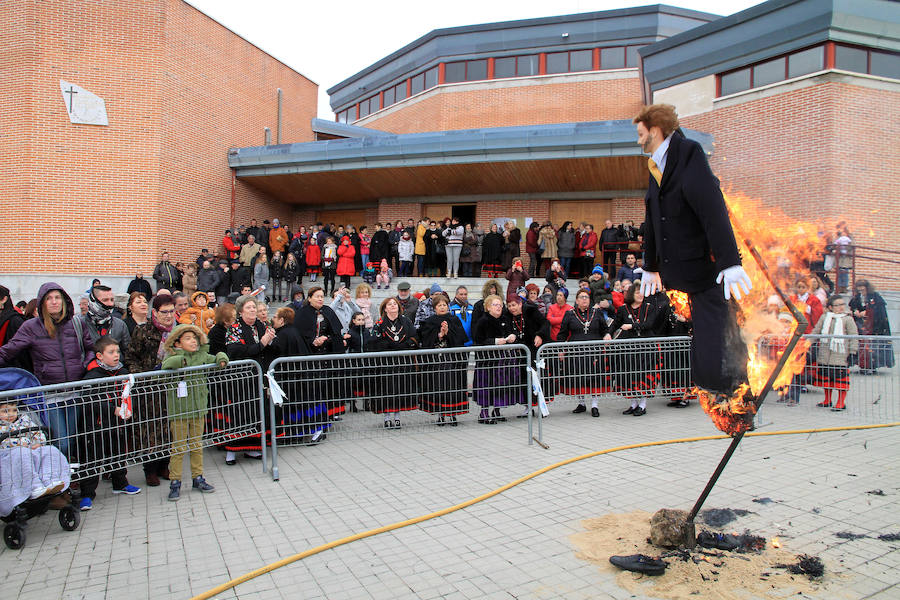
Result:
514,545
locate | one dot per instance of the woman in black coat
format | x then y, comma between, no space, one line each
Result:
491,253
585,374
323,389
380,246
444,386
869,310
393,385
531,328
247,338
639,317
435,256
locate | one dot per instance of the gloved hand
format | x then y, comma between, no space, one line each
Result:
736,279
650,283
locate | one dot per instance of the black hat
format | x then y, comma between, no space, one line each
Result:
266,222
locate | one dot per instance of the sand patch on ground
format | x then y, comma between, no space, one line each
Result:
730,576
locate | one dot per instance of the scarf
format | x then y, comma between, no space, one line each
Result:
161,351
100,315
837,344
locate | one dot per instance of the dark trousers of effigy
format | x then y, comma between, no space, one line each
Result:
718,352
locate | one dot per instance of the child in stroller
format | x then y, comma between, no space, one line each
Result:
31,471
369,273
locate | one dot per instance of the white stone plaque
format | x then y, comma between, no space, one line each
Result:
84,108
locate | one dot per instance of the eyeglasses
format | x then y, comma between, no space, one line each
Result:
166,312
838,304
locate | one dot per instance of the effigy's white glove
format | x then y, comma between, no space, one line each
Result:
736,279
650,283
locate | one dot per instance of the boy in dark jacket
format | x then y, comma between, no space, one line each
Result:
187,403
105,417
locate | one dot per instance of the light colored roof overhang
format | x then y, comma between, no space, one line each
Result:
569,157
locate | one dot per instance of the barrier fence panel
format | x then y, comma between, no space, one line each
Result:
352,396
575,372
102,425
856,376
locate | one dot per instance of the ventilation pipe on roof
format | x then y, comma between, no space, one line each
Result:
278,129
267,140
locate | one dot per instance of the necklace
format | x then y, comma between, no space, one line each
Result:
394,331
519,325
637,317
586,322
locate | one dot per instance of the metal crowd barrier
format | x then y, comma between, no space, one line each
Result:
571,372
871,385
379,394
102,425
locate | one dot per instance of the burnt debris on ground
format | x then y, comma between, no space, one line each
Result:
811,566
720,517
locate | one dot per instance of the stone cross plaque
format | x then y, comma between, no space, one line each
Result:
84,108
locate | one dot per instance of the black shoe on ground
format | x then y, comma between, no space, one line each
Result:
639,412
486,421
640,563
497,416
579,409
628,411
595,412
453,421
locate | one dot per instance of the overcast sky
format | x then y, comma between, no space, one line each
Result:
330,41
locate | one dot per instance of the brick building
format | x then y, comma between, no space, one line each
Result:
179,91
532,118
523,119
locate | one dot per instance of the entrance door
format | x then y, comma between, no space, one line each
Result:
437,212
594,212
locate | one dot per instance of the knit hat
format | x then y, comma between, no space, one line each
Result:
598,270
522,291
161,300
564,291
435,288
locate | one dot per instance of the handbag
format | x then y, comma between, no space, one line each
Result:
466,251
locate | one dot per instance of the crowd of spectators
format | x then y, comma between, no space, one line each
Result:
222,302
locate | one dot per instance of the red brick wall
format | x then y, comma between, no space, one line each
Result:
392,212
180,90
820,153
450,108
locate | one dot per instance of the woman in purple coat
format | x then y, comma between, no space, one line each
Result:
59,355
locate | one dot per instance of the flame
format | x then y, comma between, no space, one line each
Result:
680,304
776,543
786,246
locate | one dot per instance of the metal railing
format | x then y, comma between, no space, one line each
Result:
102,425
353,396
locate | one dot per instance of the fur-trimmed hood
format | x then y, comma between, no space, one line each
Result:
179,331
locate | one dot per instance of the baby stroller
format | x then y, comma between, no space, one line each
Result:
14,510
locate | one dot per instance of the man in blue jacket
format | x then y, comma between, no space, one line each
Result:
461,308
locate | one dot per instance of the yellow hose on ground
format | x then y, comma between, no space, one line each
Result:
445,511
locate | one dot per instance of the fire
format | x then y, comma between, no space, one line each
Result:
786,246
680,304
776,543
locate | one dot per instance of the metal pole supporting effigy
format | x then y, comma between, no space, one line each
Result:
690,535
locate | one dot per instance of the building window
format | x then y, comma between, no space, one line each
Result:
527,65
342,116
557,62
505,67
389,97
417,84
851,59
363,109
884,64
631,56
806,61
612,58
734,82
455,72
581,60
431,78
400,91
768,72
476,70
351,114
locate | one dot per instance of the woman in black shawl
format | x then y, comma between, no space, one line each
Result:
870,313
287,343
247,338
444,388
497,381
393,386
320,331
532,329
638,317
585,374
491,253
